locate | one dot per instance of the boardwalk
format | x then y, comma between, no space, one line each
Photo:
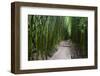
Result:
63,52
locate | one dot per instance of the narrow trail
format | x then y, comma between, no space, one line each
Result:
63,52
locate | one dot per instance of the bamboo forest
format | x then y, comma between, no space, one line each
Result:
57,37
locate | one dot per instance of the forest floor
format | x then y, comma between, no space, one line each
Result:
64,51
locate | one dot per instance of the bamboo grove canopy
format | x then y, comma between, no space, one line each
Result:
45,32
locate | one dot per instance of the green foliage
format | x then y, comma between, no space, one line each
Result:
45,32
79,33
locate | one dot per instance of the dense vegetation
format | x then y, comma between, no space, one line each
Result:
45,32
